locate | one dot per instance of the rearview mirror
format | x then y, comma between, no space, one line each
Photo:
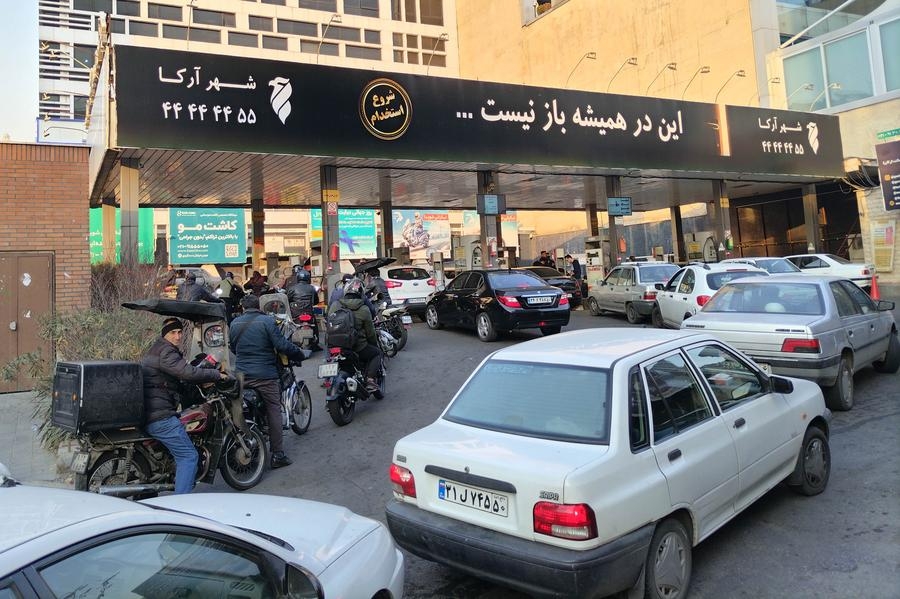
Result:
781,384
659,286
885,305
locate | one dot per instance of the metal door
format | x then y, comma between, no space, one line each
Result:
25,296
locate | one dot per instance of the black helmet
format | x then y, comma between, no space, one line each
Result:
302,275
353,287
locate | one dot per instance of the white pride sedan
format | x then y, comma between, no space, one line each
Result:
591,462
63,543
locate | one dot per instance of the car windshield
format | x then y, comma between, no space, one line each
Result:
514,280
776,265
548,401
772,297
658,274
716,279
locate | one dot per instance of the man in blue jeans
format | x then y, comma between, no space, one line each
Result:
164,369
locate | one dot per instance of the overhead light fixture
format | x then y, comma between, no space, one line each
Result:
776,80
805,87
701,71
442,38
631,60
589,56
824,91
672,66
335,18
738,73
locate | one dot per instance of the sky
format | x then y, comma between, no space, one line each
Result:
19,65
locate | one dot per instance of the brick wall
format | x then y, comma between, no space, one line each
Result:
44,207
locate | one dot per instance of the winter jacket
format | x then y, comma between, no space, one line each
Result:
362,319
255,339
378,290
192,292
303,297
164,368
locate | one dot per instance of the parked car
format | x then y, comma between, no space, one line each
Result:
63,543
409,286
630,289
553,277
829,264
691,287
495,301
822,329
770,264
571,465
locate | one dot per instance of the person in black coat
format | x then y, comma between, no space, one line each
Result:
190,291
544,260
576,266
164,368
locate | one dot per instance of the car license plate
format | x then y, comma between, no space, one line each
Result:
328,369
80,463
765,368
541,299
416,300
406,319
569,295
486,501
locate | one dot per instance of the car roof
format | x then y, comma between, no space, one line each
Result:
789,278
598,347
719,267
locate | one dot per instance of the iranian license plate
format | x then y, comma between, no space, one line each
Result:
406,319
80,463
479,499
541,299
765,368
569,295
416,300
328,369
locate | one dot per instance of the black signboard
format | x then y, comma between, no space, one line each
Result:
888,155
187,100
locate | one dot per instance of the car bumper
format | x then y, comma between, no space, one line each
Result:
822,371
532,318
414,308
527,566
643,307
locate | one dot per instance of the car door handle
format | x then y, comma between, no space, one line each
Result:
674,455
739,423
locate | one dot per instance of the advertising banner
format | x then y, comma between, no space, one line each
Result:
509,226
207,236
889,172
357,231
146,235
884,238
422,231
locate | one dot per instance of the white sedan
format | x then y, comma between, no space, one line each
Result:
591,462
829,264
62,543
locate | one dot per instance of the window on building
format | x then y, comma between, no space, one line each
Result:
194,34
398,39
412,57
143,28
83,55
432,12
372,37
434,60
79,107
164,12
363,52
174,32
298,28
213,17
117,25
276,2
130,8
313,48
93,5
398,55
410,11
364,8
803,78
274,43
396,11
349,34
846,63
890,51
261,23
412,41
248,40
326,5
435,44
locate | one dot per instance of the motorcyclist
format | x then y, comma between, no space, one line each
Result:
231,294
367,343
303,298
164,368
376,287
190,291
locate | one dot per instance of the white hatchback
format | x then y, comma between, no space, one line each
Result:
591,462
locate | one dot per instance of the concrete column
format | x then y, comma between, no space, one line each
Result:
488,182
386,205
612,189
129,195
109,230
721,218
678,247
811,219
257,213
331,198
590,206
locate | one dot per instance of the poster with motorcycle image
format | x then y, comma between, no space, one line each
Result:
422,231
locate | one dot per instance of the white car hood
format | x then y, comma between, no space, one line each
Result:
319,532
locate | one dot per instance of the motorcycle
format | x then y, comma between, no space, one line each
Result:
396,321
345,384
307,332
415,236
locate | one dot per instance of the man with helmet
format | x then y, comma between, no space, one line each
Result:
190,291
367,343
376,288
303,298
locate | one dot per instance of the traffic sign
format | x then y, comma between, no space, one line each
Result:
618,206
889,133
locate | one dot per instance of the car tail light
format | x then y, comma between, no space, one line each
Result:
392,284
431,282
563,301
509,301
403,481
866,272
576,522
800,346
649,295
702,299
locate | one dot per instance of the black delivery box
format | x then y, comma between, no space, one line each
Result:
93,396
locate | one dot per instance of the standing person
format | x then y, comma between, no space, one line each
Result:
164,369
544,260
190,291
255,339
576,266
366,342
231,294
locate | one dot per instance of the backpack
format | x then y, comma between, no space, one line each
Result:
340,328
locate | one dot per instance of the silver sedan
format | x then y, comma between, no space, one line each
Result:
823,329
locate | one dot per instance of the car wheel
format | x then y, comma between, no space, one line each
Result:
632,314
668,568
813,464
594,307
550,330
839,396
431,318
891,362
656,318
485,328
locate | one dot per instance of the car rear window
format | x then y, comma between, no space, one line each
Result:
657,274
784,298
408,273
777,266
548,401
545,272
514,280
716,279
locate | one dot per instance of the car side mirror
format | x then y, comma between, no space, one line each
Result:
781,384
301,583
885,305
659,286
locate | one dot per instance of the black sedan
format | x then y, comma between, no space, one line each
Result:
570,285
494,301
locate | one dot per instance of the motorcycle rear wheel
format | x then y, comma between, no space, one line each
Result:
240,470
402,337
301,409
105,472
341,410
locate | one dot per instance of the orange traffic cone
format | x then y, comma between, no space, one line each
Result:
873,291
